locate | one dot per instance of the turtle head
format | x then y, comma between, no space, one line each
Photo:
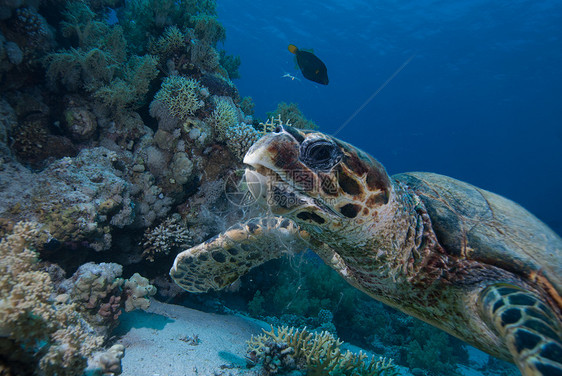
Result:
322,183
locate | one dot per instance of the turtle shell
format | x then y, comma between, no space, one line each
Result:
478,225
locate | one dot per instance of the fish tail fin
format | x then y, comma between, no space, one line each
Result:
293,48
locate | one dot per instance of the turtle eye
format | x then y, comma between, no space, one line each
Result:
320,154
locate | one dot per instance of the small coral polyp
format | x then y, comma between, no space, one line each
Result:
181,96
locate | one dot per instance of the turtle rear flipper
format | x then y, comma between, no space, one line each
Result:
531,329
223,259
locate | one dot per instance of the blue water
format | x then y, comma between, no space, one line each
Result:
480,100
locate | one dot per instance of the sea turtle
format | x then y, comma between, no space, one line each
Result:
463,259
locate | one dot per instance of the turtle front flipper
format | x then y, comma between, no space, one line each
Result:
530,328
223,259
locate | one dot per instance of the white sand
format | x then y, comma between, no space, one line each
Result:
154,346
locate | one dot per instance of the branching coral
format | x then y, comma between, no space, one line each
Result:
237,136
224,116
169,236
240,138
172,41
319,354
181,96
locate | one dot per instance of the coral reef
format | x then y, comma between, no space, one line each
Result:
49,329
284,348
110,129
79,199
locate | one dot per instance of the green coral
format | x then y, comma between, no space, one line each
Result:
99,64
320,354
181,96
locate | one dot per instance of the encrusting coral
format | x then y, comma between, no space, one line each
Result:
319,354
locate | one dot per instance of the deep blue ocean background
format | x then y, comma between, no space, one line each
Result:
480,100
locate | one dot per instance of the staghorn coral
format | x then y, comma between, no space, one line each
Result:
285,348
50,330
271,124
169,236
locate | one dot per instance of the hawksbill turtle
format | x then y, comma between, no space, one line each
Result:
463,259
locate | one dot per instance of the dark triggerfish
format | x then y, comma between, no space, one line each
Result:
312,68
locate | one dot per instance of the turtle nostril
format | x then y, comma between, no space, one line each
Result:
278,129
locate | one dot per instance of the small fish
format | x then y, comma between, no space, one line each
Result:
312,67
290,77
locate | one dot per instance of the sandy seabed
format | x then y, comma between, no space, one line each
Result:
170,340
